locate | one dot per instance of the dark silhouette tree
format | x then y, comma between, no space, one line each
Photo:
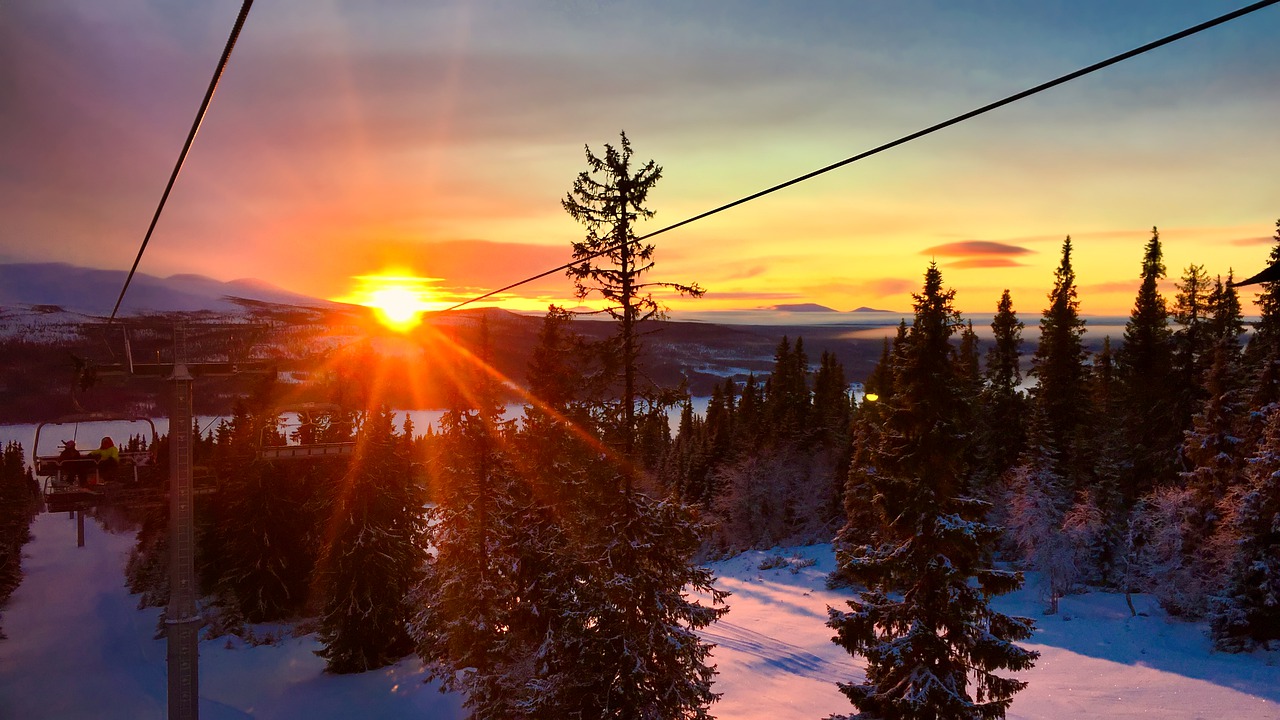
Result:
1001,422
1145,370
1264,346
1060,395
608,198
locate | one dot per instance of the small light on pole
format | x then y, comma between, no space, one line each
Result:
871,397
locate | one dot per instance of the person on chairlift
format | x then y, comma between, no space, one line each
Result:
108,457
73,471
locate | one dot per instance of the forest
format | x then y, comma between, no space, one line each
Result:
550,565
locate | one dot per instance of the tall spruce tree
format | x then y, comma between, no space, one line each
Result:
1060,395
924,623
1001,425
608,198
633,651
376,548
1145,370
463,622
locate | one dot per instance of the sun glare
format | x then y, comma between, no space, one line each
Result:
398,300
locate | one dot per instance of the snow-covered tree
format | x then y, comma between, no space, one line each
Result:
1250,613
374,556
924,622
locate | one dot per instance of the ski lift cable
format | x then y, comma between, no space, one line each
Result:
895,143
186,147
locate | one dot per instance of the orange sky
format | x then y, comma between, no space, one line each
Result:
439,138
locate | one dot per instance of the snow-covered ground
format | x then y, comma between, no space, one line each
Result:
79,648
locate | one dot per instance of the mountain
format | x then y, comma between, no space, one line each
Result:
94,291
802,307
865,309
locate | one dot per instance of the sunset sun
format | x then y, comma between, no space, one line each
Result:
397,299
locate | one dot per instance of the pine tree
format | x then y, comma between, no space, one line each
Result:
1145,371
1192,343
925,627
374,556
1264,346
18,504
1250,615
259,551
1001,426
613,263
1106,473
1058,365
787,402
880,381
1037,511
465,599
749,423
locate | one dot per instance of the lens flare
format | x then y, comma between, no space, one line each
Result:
397,299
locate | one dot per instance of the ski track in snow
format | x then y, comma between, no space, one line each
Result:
777,654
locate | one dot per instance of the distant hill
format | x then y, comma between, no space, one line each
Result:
93,291
865,309
802,308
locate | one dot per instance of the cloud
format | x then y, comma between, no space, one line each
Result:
747,295
971,248
881,287
990,262
743,273
1250,241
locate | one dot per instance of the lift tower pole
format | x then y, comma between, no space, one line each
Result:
183,619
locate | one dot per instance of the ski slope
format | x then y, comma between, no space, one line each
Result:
79,648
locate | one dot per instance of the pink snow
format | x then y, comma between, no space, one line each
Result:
79,648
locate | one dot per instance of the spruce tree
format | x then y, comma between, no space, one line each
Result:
787,403
1192,343
608,198
1145,369
1264,346
259,551
1249,616
467,594
559,585
924,622
1058,366
833,413
19,500
1001,425
374,555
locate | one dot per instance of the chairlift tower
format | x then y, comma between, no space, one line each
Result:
182,614
183,618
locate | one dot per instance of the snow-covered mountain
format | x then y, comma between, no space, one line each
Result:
93,291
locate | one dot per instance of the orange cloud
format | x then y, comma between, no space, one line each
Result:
968,248
989,262
1250,241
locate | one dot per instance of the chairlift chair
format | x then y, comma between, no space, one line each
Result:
305,450
58,471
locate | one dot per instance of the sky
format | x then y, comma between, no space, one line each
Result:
437,139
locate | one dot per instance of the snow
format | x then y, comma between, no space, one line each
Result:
78,647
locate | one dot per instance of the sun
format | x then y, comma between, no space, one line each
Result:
397,299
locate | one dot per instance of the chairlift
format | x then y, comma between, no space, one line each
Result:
74,480
306,450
